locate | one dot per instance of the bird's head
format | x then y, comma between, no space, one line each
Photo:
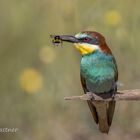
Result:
87,42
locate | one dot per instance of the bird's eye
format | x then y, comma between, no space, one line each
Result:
86,39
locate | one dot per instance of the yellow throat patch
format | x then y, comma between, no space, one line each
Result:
85,48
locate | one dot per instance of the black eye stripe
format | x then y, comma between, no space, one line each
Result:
85,39
89,40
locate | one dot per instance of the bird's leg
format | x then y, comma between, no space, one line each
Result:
113,95
114,92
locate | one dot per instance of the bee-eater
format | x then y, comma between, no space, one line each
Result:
98,72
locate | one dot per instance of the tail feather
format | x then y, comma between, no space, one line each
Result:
111,108
102,113
101,108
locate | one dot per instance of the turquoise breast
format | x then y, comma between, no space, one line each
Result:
98,69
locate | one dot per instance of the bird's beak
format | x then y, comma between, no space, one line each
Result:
66,38
83,48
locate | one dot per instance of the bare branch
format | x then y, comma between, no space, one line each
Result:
120,95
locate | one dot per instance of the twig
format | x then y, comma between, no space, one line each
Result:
120,95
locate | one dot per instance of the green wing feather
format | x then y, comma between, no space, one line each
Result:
91,106
111,104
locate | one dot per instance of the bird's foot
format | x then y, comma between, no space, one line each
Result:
113,96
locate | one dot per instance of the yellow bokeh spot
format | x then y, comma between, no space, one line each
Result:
112,18
47,54
31,80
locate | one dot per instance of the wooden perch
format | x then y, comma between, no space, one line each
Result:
120,95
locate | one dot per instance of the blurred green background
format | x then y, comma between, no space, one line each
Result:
35,76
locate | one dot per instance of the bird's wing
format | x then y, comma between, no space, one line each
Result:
116,69
111,109
111,104
90,104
